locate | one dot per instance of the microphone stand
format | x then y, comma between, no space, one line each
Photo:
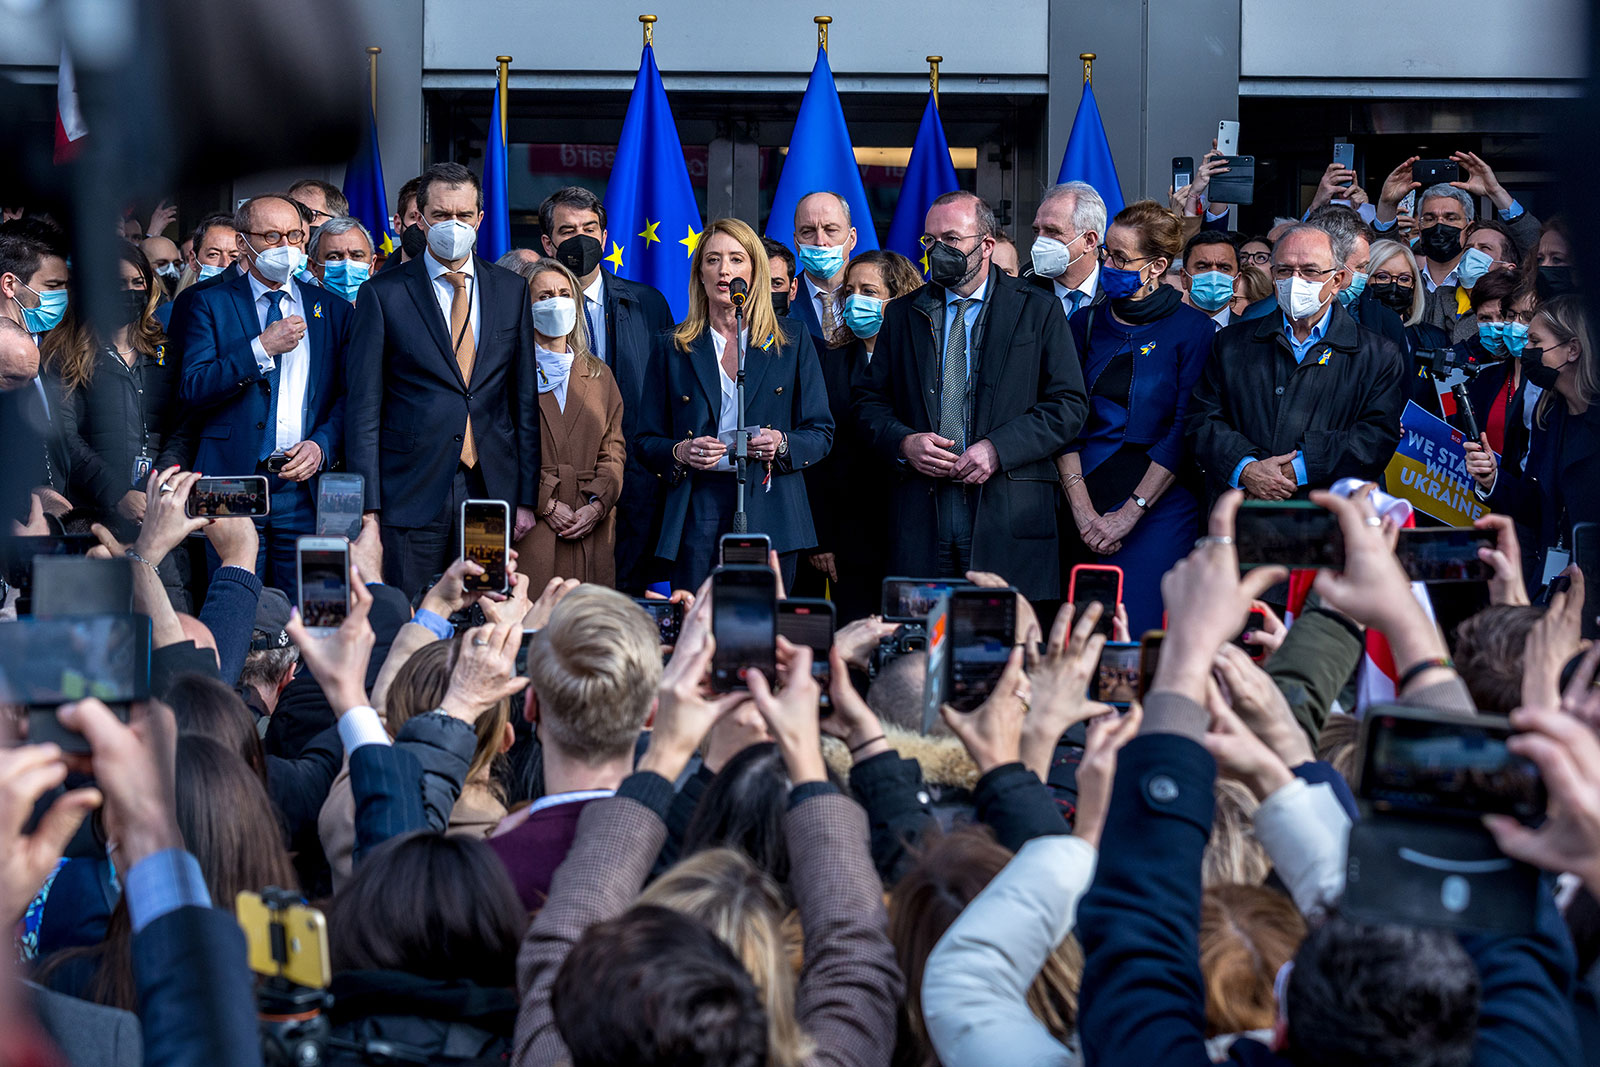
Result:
741,440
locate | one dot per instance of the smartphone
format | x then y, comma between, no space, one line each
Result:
811,623
1228,137
1586,554
1116,676
1344,154
667,615
340,498
1149,659
744,550
21,554
45,663
284,938
910,599
220,498
276,462
323,567
1182,171
1433,171
1429,763
744,622
1256,620
486,541
1090,583
1292,533
982,624
1444,554
1408,204
74,585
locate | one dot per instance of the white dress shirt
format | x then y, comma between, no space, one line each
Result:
728,416
294,366
1090,285
1224,317
594,308
1427,276
445,293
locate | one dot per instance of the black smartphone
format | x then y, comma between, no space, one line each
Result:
1091,584
811,623
1434,171
323,568
1444,554
742,550
1292,533
1182,171
340,498
910,599
45,663
1435,764
744,622
276,462
1256,620
982,626
667,615
1149,659
21,554
227,498
1116,676
74,585
486,541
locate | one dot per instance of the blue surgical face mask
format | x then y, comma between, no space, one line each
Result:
206,270
1515,337
47,316
820,262
863,314
1119,283
1474,264
1352,292
345,276
1491,335
1211,290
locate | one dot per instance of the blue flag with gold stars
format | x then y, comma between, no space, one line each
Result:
820,158
929,175
363,187
652,221
494,235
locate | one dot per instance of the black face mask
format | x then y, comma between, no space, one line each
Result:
780,302
1553,282
1393,295
947,267
413,239
1535,371
129,308
579,253
1440,242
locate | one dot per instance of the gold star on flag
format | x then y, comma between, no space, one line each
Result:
649,233
615,258
691,242
924,263
388,245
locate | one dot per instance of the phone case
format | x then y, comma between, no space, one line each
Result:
1427,872
1238,185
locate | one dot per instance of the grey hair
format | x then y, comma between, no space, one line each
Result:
844,205
1385,250
1460,196
1343,227
332,228
987,227
1088,207
519,260
1306,227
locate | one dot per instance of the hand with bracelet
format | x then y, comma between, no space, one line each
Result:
852,721
699,453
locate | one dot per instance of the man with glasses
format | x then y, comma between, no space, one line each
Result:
263,367
1299,399
322,199
974,388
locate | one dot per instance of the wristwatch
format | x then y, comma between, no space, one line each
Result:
1141,502
783,444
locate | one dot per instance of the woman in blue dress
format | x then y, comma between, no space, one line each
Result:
1143,350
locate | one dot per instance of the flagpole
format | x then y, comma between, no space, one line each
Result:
933,77
505,77
1088,65
649,29
822,30
372,75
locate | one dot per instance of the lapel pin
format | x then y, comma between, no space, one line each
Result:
316,311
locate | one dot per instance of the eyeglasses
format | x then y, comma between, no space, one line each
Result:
1310,274
1383,277
1120,261
1260,259
928,240
274,237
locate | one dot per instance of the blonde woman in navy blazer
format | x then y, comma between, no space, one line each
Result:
688,400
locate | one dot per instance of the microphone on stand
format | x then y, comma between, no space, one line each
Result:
738,291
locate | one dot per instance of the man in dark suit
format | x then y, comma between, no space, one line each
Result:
264,369
974,389
824,240
624,319
443,381
1068,229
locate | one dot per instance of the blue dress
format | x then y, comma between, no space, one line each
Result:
1140,379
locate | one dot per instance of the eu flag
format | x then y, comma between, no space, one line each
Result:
929,175
363,187
1088,157
494,236
652,222
820,159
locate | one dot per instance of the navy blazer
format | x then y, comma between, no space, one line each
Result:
385,781
222,380
803,310
409,403
635,315
784,390
196,994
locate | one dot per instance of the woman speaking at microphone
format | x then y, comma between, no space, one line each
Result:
688,427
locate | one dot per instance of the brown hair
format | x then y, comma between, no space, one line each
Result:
1160,231
1489,653
1233,855
70,350
900,275
1246,934
761,320
419,687
1256,284
1337,743
950,870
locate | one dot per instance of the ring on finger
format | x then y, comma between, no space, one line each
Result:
478,642
1373,520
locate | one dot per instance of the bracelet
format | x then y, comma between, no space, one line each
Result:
1070,481
872,741
1417,668
131,554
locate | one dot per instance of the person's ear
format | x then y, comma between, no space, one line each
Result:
508,737
549,245
850,243
650,719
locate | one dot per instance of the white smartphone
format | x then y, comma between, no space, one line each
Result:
1228,137
323,567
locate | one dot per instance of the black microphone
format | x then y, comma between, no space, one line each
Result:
738,289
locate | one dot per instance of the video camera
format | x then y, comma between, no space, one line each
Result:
1442,364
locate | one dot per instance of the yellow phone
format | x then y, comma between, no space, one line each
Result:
286,938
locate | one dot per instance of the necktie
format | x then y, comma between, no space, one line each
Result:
269,437
1076,296
594,316
834,331
466,351
953,401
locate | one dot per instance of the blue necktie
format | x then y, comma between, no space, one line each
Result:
269,436
1076,296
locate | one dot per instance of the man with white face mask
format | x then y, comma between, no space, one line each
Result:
443,379
263,358
1300,398
1067,231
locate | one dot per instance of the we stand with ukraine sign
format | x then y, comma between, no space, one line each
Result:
1429,469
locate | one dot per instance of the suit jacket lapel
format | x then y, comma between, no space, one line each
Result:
927,319
702,356
420,287
617,320
244,303
757,362
316,300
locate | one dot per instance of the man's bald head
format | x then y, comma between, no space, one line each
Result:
19,356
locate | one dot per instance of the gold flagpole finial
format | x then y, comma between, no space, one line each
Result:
933,76
1088,65
372,75
822,30
504,63
649,29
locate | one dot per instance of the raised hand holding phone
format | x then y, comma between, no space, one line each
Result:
338,660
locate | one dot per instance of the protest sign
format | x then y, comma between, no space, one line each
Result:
1429,469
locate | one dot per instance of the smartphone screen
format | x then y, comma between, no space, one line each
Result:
667,616
1149,659
22,553
1292,533
1116,677
339,505
910,599
230,497
744,622
1440,766
74,585
810,623
745,550
1091,585
485,540
324,583
1444,554
45,663
983,628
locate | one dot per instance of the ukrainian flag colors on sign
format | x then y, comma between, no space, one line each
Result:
1429,469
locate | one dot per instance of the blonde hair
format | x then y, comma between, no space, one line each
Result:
419,687
578,340
1233,855
1247,933
1565,315
1336,744
595,669
761,320
743,906
1385,250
